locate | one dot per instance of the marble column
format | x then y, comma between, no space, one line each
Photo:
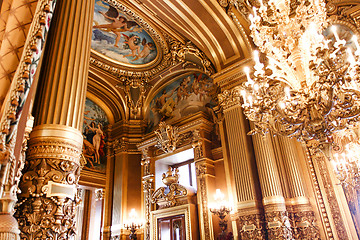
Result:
250,218
46,207
276,216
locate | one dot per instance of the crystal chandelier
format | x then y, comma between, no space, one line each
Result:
309,87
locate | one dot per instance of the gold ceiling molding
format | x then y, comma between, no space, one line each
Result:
176,52
220,34
345,12
104,93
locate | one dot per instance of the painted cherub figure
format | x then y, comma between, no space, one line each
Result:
132,43
118,23
146,50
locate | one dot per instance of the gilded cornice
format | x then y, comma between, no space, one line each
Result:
232,76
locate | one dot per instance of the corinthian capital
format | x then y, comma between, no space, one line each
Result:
230,98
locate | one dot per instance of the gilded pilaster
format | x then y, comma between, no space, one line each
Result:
276,216
249,212
147,181
205,183
46,207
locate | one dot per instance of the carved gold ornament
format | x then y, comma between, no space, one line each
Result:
171,180
310,86
167,137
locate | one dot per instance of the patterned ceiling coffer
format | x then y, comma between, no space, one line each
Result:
121,37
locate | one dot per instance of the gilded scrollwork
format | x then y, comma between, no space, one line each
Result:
175,190
278,225
145,161
119,145
304,225
251,226
201,170
148,188
315,155
167,137
197,145
132,86
230,98
48,199
178,52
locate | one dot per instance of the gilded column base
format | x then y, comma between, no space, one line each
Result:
304,225
251,226
47,204
278,225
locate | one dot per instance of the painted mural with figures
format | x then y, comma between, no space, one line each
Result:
95,139
118,37
186,95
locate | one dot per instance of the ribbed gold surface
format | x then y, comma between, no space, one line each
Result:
292,166
267,168
65,66
240,154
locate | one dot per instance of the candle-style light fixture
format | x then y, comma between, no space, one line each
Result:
310,86
133,224
221,208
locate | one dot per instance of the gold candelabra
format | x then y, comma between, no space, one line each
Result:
221,208
309,86
133,224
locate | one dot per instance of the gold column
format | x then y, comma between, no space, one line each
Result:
250,217
300,211
276,216
46,207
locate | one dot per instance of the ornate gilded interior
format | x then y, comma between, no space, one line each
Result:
109,106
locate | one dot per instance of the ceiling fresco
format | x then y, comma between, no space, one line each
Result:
117,36
186,95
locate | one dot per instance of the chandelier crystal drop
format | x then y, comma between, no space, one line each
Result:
309,87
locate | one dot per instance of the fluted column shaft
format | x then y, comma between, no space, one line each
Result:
48,199
299,208
292,167
242,167
276,216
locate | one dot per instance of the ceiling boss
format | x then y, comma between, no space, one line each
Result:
309,87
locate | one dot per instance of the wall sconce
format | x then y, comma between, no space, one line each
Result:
133,224
221,208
